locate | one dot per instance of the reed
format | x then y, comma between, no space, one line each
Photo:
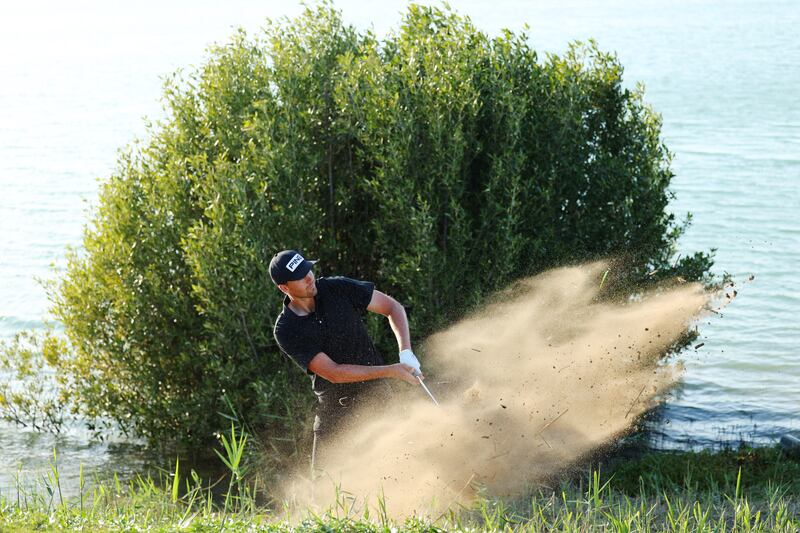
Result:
672,492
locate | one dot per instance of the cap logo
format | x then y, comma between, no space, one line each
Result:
294,262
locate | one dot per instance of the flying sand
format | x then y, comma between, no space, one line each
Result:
527,387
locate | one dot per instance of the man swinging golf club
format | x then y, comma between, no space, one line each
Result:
320,328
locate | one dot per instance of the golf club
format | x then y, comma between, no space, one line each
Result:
425,387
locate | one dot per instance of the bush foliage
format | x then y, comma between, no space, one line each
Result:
438,162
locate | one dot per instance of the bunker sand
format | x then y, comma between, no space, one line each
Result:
528,386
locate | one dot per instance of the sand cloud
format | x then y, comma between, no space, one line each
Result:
530,384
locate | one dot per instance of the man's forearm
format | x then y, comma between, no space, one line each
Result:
356,373
324,366
399,324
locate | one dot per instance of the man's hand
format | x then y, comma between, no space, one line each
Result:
407,357
405,373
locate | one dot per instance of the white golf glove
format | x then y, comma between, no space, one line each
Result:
407,357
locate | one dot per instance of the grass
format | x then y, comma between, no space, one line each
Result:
732,490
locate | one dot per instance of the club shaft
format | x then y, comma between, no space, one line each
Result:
426,390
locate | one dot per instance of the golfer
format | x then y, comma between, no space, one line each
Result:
321,329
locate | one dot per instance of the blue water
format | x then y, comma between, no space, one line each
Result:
77,82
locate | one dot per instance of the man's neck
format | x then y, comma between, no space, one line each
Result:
302,306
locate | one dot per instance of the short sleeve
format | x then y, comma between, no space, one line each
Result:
358,293
298,345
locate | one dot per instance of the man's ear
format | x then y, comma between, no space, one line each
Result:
284,289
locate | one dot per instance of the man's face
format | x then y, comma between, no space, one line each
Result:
301,288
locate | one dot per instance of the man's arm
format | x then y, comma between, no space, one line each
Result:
324,366
389,307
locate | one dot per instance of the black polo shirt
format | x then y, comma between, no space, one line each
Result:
336,328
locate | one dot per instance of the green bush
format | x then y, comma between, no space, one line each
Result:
439,163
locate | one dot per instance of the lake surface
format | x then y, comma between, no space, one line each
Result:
77,81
